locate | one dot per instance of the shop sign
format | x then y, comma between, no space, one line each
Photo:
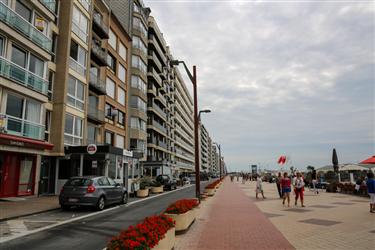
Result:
94,164
2,123
39,23
91,149
128,153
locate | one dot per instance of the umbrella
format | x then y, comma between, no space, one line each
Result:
335,161
352,167
370,160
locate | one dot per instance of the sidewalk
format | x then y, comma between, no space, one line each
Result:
26,206
230,220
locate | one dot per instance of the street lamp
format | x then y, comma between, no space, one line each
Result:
203,111
193,79
219,146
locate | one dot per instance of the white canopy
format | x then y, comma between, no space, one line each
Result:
352,167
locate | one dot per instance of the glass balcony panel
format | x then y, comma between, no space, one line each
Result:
25,128
18,23
73,64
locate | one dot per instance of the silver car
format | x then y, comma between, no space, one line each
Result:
92,191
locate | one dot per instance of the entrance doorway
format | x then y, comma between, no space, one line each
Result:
47,176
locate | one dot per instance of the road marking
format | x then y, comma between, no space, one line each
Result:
25,233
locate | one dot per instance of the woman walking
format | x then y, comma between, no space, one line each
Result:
259,187
371,190
314,178
286,188
278,179
299,188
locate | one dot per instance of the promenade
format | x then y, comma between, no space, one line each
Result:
234,219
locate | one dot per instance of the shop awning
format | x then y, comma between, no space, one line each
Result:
370,160
17,141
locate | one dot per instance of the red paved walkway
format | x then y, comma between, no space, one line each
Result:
236,223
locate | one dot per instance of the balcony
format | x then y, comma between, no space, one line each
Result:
152,41
99,55
22,76
97,85
19,127
157,125
153,59
15,21
152,73
50,4
95,115
99,27
151,89
158,110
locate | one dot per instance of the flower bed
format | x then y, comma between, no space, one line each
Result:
183,213
145,235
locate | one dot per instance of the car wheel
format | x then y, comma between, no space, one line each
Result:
101,203
65,207
124,199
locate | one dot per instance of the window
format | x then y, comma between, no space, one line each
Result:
51,78
112,39
1,46
24,117
139,44
121,96
36,66
137,123
139,64
108,137
47,125
54,47
85,4
122,51
111,62
78,58
138,24
19,56
73,130
121,118
23,11
103,181
138,103
119,141
137,82
109,111
122,73
92,131
79,24
110,87
76,93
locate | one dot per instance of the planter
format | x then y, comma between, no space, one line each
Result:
183,221
157,190
167,243
142,193
210,191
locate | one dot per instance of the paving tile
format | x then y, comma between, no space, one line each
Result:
320,222
322,206
343,203
270,215
298,210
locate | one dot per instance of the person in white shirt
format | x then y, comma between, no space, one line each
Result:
259,187
299,188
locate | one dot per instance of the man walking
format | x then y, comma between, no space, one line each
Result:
278,185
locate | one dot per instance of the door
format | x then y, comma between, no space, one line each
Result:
47,177
116,190
9,169
26,176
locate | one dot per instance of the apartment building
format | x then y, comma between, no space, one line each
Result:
214,160
183,114
27,32
204,139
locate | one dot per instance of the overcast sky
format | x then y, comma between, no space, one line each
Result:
291,77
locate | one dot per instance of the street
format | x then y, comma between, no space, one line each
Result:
93,232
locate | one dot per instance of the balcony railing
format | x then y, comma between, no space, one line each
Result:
152,56
158,110
50,4
82,34
95,114
22,76
80,69
154,74
18,23
24,128
158,126
97,84
99,26
99,53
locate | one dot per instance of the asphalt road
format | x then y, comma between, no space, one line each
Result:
93,232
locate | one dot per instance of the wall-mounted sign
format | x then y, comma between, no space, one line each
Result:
91,149
94,164
39,23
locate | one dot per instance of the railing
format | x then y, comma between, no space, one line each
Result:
26,78
17,22
158,110
50,4
98,20
162,144
155,75
162,98
158,126
99,52
73,64
17,126
79,32
96,82
95,113
157,46
156,60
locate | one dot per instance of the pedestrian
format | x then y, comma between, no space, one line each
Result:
278,180
231,178
299,188
371,190
286,188
314,178
259,187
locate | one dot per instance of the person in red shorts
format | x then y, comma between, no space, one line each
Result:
286,188
299,188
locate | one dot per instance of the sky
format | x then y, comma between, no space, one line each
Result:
291,78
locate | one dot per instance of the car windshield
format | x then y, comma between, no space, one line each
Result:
78,182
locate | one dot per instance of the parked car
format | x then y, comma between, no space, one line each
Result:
168,182
186,180
92,191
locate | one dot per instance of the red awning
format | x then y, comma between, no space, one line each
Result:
370,160
17,141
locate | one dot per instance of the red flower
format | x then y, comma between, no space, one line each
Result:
181,206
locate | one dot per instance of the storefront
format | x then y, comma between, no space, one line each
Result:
19,164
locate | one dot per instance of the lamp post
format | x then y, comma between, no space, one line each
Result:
193,79
219,147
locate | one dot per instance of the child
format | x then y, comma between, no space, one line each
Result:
371,190
286,188
259,188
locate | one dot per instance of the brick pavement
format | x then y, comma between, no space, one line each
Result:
230,220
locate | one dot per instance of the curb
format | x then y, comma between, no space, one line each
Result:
29,214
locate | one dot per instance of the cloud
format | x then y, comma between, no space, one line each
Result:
292,76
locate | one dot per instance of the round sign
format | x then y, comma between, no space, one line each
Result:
91,149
